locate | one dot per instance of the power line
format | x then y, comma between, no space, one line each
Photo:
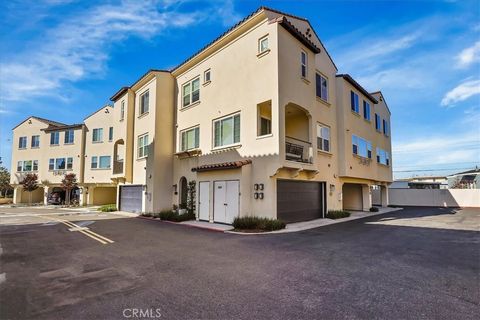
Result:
423,170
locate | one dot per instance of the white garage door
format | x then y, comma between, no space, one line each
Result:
131,198
226,201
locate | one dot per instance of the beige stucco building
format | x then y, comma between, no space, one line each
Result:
260,119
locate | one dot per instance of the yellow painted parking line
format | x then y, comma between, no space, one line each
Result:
87,232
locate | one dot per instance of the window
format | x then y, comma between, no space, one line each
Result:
144,102
383,157
304,61
97,135
142,146
60,164
122,110
35,141
54,138
385,127
104,162
22,143
69,136
69,163
354,102
20,166
361,147
110,134
35,165
321,84
265,126
51,164
323,138
191,92
227,131
206,76
190,139
264,118
94,163
263,44
27,165
377,122
366,110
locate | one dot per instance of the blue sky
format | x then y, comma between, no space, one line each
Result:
63,59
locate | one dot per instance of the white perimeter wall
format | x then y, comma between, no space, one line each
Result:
435,197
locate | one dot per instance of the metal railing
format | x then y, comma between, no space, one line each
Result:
298,150
117,167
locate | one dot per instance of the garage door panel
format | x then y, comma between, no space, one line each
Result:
131,198
299,200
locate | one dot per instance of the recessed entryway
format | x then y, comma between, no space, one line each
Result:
352,196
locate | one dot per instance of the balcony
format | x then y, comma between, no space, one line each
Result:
297,134
118,167
298,150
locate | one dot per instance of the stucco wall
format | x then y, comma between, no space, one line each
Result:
435,197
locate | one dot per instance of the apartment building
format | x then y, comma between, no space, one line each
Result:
260,119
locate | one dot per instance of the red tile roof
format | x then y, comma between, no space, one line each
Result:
222,166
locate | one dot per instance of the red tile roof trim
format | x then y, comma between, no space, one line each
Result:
222,166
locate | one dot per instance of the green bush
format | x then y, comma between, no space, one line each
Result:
108,208
146,214
170,215
337,214
256,223
373,209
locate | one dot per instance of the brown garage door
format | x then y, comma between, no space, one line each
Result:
300,201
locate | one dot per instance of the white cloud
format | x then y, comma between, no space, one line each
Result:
461,92
469,55
79,47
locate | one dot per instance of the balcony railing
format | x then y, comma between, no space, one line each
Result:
298,150
118,167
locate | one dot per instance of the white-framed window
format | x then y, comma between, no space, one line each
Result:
354,104
35,165
378,123
20,166
51,164
191,92
190,139
265,126
383,157
27,165
226,131
97,135
304,63
69,163
207,76
366,110
122,110
104,162
35,141
69,136
144,102
110,134
94,162
54,138
142,149
361,147
323,137
321,86
386,129
263,44
264,118
22,142
60,164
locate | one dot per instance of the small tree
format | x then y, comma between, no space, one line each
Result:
30,184
191,192
69,182
4,181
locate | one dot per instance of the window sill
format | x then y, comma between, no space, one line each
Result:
325,102
367,120
100,169
68,144
191,105
263,53
35,148
305,80
97,141
142,158
327,153
384,165
230,146
356,113
22,148
56,170
143,115
265,136
54,145
206,83
362,158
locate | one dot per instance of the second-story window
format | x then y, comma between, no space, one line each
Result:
354,102
97,135
321,86
323,138
361,147
385,127
144,102
378,122
190,139
54,138
142,142
122,110
22,143
304,62
191,92
366,110
60,164
227,131
263,44
69,136
383,157
110,134
207,76
35,141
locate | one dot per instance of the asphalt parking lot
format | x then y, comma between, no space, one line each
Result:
417,263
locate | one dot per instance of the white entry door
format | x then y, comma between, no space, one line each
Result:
226,201
204,201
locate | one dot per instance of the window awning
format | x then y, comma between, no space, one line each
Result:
222,166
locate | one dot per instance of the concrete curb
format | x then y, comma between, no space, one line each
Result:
181,224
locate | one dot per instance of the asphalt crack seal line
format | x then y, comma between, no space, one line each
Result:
73,227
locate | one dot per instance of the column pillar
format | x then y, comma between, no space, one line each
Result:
17,195
89,197
45,195
367,197
384,191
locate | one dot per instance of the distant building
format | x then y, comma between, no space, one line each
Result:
465,180
426,182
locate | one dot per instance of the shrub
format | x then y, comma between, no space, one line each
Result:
146,214
108,208
337,214
373,209
170,215
256,223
